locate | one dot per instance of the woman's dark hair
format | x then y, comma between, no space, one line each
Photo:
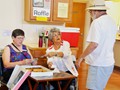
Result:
17,32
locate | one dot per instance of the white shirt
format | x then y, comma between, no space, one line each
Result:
58,61
103,32
65,63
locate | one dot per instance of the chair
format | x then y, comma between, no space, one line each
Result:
74,85
2,82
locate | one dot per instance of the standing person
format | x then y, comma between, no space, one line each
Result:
99,52
59,55
16,54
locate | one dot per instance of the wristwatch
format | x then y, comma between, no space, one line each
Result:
56,54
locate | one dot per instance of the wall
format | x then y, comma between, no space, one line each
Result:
114,8
115,13
12,16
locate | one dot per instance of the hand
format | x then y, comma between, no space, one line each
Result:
34,61
28,61
78,62
43,56
60,54
50,65
51,54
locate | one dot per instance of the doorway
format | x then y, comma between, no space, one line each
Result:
78,21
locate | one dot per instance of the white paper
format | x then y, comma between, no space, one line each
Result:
56,70
62,10
70,65
35,74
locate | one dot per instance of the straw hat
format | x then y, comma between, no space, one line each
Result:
97,5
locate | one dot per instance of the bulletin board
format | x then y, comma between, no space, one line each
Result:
62,10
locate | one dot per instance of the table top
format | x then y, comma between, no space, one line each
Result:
56,76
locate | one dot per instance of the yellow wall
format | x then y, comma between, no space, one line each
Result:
115,0
114,11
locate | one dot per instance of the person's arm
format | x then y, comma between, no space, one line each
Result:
29,53
34,61
57,54
90,48
51,54
66,49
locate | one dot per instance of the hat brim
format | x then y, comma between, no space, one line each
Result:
97,8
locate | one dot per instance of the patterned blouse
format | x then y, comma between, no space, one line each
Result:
18,56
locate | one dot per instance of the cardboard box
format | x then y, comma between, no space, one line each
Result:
18,76
47,71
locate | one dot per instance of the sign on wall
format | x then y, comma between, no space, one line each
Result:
41,8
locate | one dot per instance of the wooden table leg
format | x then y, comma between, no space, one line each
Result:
67,84
59,87
44,85
29,84
35,86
